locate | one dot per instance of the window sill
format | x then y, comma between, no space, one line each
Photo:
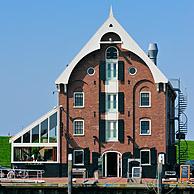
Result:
145,106
109,141
145,164
78,135
145,134
78,165
78,107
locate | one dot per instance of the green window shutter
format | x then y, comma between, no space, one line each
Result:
95,156
103,70
102,102
121,135
136,152
121,102
153,156
125,157
86,156
102,134
121,71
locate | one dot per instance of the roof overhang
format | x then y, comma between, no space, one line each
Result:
127,43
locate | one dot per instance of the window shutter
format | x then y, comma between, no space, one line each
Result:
102,102
153,156
121,71
86,156
125,158
103,70
102,136
121,102
137,153
121,130
95,156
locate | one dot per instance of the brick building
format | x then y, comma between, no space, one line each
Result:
115,112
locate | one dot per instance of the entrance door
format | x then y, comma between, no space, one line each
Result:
112,164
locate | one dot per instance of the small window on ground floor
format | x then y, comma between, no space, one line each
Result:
145,157
78,157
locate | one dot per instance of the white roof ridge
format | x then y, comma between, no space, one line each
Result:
127,43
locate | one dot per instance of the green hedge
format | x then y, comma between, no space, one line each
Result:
5,152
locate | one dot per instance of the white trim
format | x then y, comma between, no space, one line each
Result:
89,73
150,101
147,164
81,164
74,106
149,120
74,127
119,166
34,124
35,144
128,44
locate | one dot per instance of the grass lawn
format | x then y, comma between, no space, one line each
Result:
5,152
190,150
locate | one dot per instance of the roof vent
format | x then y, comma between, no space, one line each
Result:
152,52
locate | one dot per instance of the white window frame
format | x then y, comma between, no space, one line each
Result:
149,120
81,164
146,150
111,102
74,94
74,127
145,106
111,139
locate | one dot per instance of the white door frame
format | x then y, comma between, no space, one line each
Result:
119,162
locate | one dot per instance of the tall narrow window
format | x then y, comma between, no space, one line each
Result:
111,102
78,99
78,127
53,128
145,99
111,63
145,127
44,131
111,131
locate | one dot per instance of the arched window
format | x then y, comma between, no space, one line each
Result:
111,53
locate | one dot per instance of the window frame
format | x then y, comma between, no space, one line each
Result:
146,150
74,104
143,134
145,106
111,139
80,164
74,134
111,109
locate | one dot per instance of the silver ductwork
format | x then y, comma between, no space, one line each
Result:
152,52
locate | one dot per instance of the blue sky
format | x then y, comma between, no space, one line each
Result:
38,38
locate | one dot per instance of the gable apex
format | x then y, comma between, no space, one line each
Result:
111,25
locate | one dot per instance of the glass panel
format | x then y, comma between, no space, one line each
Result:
108,102
111,53
145,127
109,70
114,101
114,130
145,157
44,131
111,130
144,99
108,130
35,154
78,99
53,128
26,137
18,140
78,127
78,157
35,134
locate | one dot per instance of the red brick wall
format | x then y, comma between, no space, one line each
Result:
131,86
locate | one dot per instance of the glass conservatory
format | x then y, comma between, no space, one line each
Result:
39,142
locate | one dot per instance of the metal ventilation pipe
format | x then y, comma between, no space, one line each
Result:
152,52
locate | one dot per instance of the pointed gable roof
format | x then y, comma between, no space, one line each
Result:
127,43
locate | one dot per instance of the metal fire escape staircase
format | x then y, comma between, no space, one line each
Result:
181,126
